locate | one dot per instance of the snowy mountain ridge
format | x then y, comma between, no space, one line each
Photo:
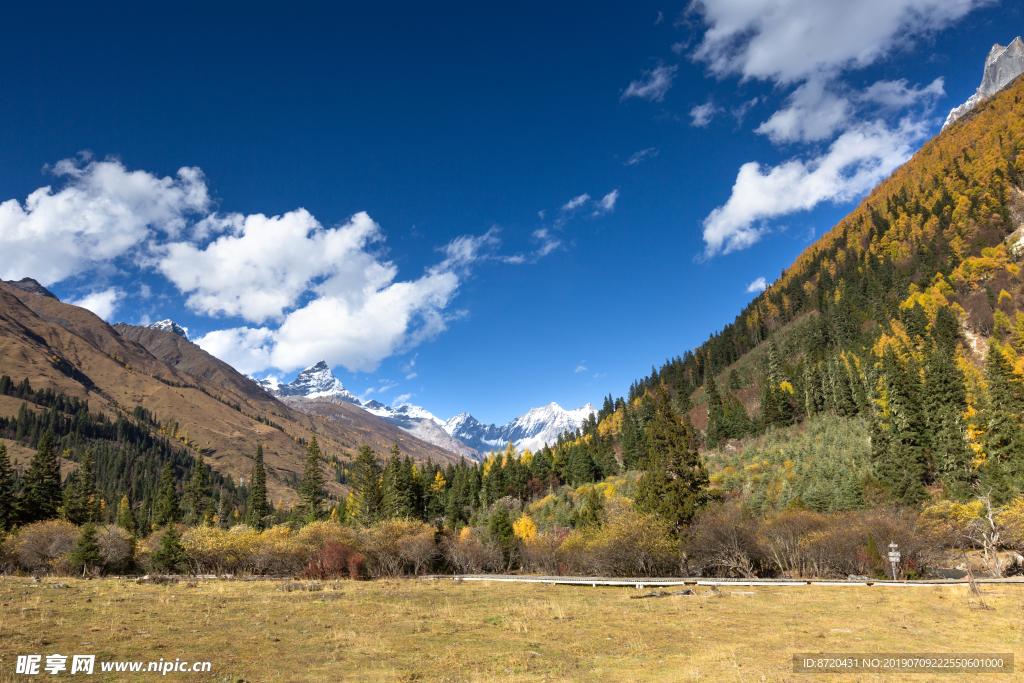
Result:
462,434
532,430
169,326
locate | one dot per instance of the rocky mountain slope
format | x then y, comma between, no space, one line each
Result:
346,436
1002,66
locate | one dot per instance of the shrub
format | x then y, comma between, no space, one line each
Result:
334,561
467,553
383,543
419,550
725,541
117,547
41,547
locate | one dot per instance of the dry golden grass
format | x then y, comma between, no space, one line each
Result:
443,631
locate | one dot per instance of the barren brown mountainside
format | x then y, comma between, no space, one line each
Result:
71,350
349,426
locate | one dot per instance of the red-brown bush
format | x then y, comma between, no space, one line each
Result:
335,561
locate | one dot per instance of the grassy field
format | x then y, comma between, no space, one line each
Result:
409,630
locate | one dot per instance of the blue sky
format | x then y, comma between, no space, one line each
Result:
474,207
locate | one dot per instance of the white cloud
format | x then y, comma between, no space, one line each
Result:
607,203
702,114
808,45
661,18
102,303
145,292
758,285
788,41
857,160
652,85
263,265
582,367
895,95
245,349
813,114
399,400
102,212
548,243
576,202
411,375
739,113
642,155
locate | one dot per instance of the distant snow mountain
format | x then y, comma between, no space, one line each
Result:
532,430
1002,66
169,326
314,382
462,434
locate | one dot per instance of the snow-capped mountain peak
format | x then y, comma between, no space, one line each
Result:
169,326
316,381
531,430
1002,66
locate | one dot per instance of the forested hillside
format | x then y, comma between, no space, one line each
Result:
903,320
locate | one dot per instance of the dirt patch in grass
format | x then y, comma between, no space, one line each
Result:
412,630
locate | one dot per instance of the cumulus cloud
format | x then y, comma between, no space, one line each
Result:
642,155
895,95
813,114
702,114
758,285
855,162
246,349
789,41
102,212
807,46
652,85
102,303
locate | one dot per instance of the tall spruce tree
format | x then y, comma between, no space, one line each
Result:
167,509
7,509
81,498
198,494
258,508
87,554
366,487
674,485
1004,438
41,495
311,490
125,515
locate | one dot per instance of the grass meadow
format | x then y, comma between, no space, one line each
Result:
419,630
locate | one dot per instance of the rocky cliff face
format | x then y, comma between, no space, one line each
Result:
1002,66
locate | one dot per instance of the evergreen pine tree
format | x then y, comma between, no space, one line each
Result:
311,490
170,556
258,507
675,482
590,513
716,412
366,488
198,494
167,509
41,494
7,510
125,515
87,553
81,499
